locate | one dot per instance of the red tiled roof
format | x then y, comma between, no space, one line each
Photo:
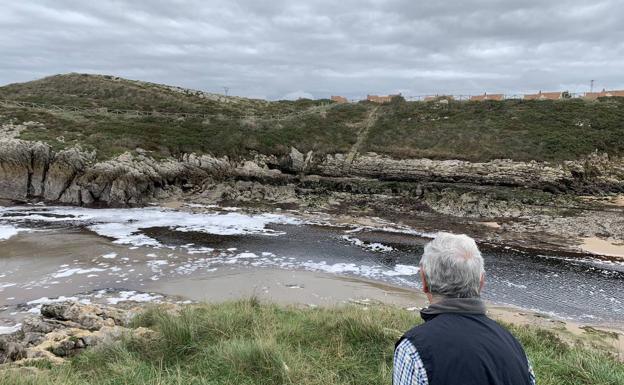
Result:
544,96
339,99
487,97
380,99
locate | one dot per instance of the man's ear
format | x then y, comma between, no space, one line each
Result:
482,282
424,281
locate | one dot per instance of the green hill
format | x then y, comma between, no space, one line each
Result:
477,131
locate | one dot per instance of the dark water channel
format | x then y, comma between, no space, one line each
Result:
584,290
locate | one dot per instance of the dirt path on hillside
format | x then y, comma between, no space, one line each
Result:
367,123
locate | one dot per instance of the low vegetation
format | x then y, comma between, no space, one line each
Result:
251,343
476,131
112,135
510,129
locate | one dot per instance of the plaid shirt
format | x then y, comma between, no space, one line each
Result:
410,370
408,367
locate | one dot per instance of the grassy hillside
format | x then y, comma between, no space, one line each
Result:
234,126
517,129
250,343
85,90
477,131
111,135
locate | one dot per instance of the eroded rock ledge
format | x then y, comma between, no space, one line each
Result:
595,173
63,330
32,170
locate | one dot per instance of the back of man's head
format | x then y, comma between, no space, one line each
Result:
452,266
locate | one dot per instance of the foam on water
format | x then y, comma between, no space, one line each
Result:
64,273
265,259
124,225
375,246
38,303
7,231
362,270
134,296
10,329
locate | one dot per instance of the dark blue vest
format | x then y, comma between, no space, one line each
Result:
468,349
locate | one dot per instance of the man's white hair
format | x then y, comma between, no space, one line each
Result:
452,265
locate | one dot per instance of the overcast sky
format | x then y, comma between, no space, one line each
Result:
289,48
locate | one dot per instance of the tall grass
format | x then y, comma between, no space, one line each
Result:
247,342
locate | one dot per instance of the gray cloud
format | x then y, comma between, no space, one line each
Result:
353,47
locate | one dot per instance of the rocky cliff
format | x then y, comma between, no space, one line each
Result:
594,174
32,170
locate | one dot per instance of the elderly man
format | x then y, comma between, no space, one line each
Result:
457,344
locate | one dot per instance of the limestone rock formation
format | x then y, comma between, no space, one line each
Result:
32,170
22,167
65,329
296,162
596,172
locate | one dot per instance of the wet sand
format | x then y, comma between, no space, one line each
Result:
599,246
493,225
287,287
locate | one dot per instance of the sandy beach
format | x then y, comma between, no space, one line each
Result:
605,247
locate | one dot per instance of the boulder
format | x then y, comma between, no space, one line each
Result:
63,329
294,161
90,317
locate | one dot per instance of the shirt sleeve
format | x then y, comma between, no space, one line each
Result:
408,367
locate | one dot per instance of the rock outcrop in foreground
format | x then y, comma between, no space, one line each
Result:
32,170
63,330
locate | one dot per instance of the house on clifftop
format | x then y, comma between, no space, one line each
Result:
486,96
381,99
548,95
339,99
437,98
603,94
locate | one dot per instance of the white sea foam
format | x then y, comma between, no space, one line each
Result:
134,296
8,231
516,285
9,329
367,271
376,246
124,225
200,206
403,270
110,256
45,300
64,273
